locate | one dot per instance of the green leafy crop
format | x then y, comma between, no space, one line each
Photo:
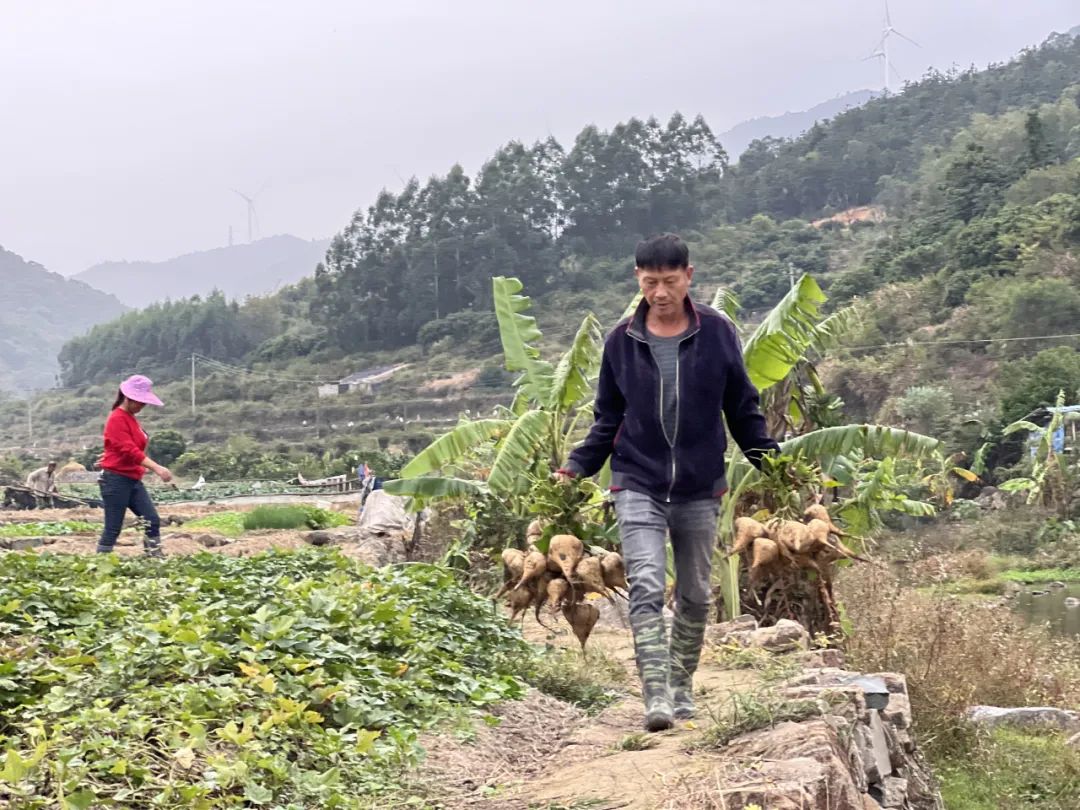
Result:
290,680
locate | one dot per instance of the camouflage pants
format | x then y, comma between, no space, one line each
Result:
644,525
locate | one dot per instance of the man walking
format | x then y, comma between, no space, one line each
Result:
667,373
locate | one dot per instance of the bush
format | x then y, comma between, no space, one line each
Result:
166,446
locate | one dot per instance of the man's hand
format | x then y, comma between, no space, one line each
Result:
562,477
99,462
163,473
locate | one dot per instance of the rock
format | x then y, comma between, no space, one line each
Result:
898,711
795,765
1056,586
1073,741
894,682
1039,593
816,659
869,803
319,538
893,792
784,636
24,543
208,540
873,749
740,627
372,548
992,498
847,702
1072,602
1026,717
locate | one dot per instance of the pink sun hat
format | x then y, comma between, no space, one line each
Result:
138,388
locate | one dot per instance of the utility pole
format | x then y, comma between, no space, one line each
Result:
30,420
318,409
791,274
193,384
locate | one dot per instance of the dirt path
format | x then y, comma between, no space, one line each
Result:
604,762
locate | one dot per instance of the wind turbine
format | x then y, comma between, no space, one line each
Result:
252,215
882,50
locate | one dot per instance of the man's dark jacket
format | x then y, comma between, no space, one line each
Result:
710,377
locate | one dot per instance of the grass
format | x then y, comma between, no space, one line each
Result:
234,524
769,666
751,711
1012,770
638,741
589,683
955,653
999,582
1041,575
293,517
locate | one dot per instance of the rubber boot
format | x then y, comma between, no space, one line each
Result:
687,637
651,648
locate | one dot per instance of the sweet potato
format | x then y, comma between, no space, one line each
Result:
557,589
789,534
827,546
535,564
747,530
816,511
613,571
764,552
540,586
519,601
582,617
589,575
513,564
567,552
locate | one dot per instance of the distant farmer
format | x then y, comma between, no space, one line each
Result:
124,462
43,483
667,373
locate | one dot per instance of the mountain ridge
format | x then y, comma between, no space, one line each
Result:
39,312
251,268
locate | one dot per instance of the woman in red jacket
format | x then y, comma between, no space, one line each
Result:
123,464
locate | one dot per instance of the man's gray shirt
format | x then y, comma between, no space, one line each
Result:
666,352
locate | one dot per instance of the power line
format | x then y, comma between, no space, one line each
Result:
956,342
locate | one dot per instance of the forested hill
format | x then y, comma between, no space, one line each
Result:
415,266
39,312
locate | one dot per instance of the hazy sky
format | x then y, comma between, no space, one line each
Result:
125,123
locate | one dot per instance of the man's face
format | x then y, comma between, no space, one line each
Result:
665,288
52,466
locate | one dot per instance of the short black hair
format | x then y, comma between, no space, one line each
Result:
665,250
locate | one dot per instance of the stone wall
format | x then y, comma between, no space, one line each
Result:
860,754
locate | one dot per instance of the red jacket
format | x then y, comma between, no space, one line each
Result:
125,445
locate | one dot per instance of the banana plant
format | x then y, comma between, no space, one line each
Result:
774,354
531,438
1049,482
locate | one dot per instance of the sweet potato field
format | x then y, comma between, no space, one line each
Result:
288,680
